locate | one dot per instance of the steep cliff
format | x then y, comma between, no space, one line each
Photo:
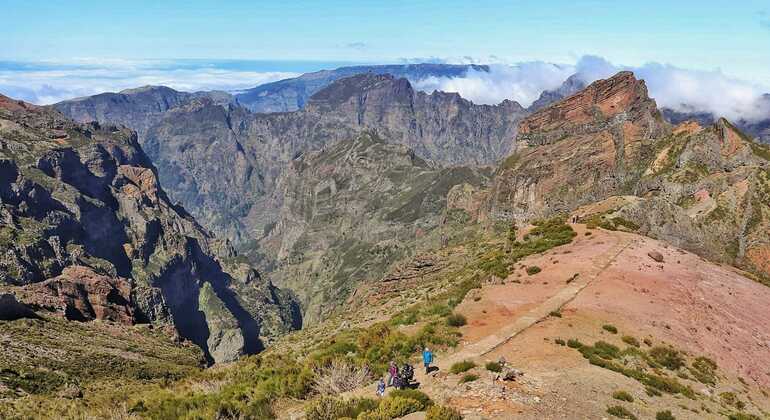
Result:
221,162
88,232
348,212
607,152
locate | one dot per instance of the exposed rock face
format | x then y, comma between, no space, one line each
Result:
222,162
293,94
703,189
580,150
87,196
80,294
350,211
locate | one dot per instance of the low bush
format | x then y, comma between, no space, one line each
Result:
391,408
440,412
533,269
622,396
469,377
560,342
494,367
574,343
329,408
620,412
555,314
631,341
652,392
461,367
704,370
456,320
413,394
610,328
664,415
667,357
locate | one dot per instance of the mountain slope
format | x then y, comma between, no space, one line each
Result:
222,162
293,94
704,189
350,211
82,212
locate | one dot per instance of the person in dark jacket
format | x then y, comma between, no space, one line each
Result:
427,359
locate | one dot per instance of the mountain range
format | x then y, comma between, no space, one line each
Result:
367,220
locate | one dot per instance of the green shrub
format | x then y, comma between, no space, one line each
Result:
631,341
743,416
555,314
729,398
667,356
574,343
704,370
620,412
560,342
622,396
648,342
329,408
652,392
533,269
494,367
461,367
439,309
610,328
456,320
412,394
664,415
391,408
439,412
469,377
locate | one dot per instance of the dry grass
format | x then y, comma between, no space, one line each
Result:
340,376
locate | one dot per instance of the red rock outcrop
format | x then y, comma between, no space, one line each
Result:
81,294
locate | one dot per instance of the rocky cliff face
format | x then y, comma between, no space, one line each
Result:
350,211
293,94
222,162
579,150
704,189
86,231
759,129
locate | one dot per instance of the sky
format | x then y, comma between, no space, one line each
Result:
56,49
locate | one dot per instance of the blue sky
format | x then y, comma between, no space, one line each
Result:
694,34
711,54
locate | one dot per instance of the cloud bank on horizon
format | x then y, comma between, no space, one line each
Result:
47,83
672,87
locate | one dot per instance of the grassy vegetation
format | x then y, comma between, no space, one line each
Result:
664,415
533,269
610,328
493,367
611,357
456,320
631,341
469,377
438,412
620,412
623,396
461,367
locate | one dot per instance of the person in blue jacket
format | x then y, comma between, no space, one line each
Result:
427,359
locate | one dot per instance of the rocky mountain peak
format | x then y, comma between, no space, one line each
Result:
360,89
620,99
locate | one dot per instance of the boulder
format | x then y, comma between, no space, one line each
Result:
655,255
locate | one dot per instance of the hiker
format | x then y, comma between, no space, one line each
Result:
393,372
381,387
427,359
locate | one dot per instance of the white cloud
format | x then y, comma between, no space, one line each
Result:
672,87
522,82
688,90
47,83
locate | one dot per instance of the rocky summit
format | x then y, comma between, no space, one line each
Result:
88,233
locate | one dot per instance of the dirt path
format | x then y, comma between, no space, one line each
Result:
537,314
